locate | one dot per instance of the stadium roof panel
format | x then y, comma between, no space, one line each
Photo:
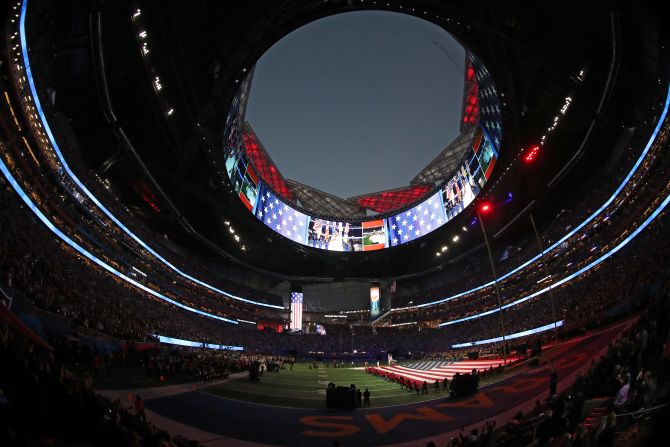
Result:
321,203
264,165
532,66
392,199
444,164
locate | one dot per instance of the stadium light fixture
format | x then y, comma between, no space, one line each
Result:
531,154
485,208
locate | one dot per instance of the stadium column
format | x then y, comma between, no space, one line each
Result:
547,273
495,282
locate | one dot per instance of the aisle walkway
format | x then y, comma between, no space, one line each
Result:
174,427
167,390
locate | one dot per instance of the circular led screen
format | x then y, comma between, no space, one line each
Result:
279,211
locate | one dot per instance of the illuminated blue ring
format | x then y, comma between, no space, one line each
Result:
580,226
195,344
38,106
537,330
573,275
432,303
90,256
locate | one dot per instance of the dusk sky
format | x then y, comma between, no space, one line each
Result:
358,102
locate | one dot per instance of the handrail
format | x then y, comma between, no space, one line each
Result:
644,410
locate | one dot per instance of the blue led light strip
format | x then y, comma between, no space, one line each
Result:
38,106
581,225
195,344
167,263
90,256
584,269
537,330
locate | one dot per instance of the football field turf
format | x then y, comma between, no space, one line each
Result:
306,388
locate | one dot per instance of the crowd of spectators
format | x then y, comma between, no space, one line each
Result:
631,377
59,281
43,402
108,305
105,304
624,388
614,223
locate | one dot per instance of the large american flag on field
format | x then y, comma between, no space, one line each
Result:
417,221
280,217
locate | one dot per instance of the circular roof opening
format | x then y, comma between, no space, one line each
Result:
351,100
358,102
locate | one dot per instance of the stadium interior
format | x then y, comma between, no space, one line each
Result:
162,283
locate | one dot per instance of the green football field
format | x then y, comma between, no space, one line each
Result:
306,388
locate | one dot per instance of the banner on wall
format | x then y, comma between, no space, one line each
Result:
296,311
375,302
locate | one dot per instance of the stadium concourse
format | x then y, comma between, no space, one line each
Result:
163,284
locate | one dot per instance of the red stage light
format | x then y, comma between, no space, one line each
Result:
531,154
485,208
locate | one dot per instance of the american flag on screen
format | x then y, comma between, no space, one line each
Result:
281,217
417,221
296,311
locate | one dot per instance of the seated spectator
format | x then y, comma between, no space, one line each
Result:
622,395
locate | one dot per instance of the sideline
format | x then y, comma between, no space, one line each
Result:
164,391
176,428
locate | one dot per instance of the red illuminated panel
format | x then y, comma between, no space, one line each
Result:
471,98
275,326
489,170
147,195
265,167
477,140
373,247
531,154
252,175
373,235
382,202
246,202
373,223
